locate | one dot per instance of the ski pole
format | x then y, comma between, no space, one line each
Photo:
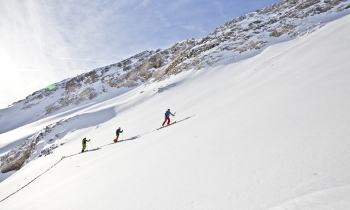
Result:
123,135
173,116
90,144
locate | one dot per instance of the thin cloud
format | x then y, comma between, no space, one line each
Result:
163,20
145,3
57,37
80,59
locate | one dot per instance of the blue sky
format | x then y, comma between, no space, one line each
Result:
42,42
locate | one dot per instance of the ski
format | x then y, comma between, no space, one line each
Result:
90,150
167,125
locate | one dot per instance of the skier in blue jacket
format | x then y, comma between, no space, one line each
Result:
167,117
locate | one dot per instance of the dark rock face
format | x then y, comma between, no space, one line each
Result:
18,156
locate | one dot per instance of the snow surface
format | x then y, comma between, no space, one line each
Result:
269,132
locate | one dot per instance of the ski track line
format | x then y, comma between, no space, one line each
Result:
97,148
34,179
51,168
132,138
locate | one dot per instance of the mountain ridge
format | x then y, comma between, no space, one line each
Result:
235,40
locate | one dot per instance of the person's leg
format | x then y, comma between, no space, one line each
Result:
116,138
168,119
164,121
84,146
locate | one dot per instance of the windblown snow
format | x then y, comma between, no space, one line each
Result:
268,132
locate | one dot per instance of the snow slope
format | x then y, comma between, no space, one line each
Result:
269,132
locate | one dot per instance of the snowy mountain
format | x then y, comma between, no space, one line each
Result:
238,39
262,123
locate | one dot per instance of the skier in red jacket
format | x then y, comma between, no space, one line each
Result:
167,115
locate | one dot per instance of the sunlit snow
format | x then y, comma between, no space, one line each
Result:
268,132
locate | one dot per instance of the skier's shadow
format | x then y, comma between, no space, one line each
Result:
94,149
130,139
185,118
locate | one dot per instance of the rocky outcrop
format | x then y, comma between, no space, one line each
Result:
17,157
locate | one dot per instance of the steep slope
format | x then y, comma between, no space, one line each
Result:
268,132
235,40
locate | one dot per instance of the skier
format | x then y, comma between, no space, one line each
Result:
167,119
119,131
84,144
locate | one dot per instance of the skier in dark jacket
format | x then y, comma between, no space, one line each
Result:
119,131
84,144
167,117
